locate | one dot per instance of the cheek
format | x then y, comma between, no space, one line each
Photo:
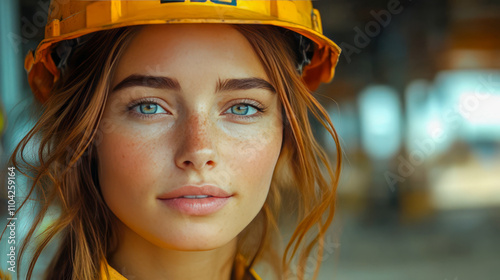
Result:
127,166
252,161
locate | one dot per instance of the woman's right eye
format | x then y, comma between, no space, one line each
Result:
149,109
146,108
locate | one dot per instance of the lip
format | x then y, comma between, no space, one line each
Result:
193,190
175,199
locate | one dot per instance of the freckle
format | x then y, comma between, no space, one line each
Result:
198,128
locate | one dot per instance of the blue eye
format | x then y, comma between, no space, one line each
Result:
242,110
149,109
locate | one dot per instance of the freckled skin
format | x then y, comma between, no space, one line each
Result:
194,142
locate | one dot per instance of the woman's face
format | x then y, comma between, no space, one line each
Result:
192,131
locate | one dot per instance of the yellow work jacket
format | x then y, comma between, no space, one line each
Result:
115,275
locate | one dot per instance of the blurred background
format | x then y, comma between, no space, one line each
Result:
416,102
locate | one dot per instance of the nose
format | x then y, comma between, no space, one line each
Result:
196,149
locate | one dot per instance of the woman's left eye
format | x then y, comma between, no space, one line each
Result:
242,110
149,109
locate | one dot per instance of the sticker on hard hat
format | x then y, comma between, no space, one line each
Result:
224,2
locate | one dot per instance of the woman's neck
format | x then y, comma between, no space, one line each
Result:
138,259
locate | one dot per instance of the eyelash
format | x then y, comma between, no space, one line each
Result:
252,103
247,102
133,104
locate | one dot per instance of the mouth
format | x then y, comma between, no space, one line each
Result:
196,192
196,201
195,196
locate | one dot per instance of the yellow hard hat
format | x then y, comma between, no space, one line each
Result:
69,19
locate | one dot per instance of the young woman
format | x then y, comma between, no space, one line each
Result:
171,133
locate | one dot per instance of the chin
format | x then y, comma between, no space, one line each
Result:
193,239
195,247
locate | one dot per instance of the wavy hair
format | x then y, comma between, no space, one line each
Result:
65,174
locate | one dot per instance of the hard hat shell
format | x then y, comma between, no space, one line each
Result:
70,19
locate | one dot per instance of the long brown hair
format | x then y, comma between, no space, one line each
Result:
303,172
65,176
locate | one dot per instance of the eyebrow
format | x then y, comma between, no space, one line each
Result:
243,84
148,81
160,82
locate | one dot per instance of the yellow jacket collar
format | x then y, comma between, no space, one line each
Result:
115,275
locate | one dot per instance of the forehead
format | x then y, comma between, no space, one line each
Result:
190,51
